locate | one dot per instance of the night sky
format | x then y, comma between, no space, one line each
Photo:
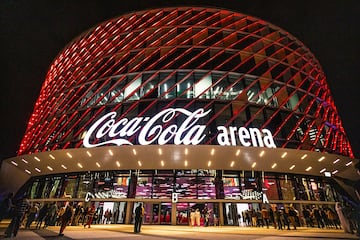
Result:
32,33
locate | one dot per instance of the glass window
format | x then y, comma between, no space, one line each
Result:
206,186
121,185
287,189
186,184
167,86
202,88
69,186
85,185
33,189
185,85
231,187
150,89
163,186
132,89
270,187
144,186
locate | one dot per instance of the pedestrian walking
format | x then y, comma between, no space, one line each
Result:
65,218
139,213
42,214
31,215
90,215
21,207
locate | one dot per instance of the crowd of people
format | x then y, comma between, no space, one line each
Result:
310,216
33,215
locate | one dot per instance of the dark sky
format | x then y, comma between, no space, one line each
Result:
33,32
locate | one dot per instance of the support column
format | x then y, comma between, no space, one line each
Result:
221,214
129,212
173,213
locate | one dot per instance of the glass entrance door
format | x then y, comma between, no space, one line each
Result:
151,215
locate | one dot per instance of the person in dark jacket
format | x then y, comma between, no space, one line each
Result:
65,218
139,213
21,207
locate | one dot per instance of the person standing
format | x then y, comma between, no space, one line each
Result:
139,213
197,217
192,217
292,216
277,217
65,218
265,216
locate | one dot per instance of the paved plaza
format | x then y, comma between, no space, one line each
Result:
153,232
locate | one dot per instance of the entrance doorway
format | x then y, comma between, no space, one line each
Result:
235,212
156,213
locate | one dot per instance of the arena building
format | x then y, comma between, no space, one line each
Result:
184,108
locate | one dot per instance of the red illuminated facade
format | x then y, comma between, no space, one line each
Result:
215,106
249,72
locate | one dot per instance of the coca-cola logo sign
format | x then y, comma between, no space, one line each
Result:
162,129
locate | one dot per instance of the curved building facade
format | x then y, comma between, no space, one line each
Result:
181,108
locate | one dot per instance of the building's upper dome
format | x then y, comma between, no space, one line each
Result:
247,71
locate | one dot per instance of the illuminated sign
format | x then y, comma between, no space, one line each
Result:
104,194
159,129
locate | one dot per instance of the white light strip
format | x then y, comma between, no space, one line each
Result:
51,156
253,165
232,164
139,163
162,163
14,163
69,155
349,163
336,161
50,168
322,158
37,159
118,163
308,169
237,152
212,151
322,170
186,151
284,155
209,163
292,167
186,163
98,164
79,165
88,153
38,170
111,153
24,161
134,151
160,151
262,153
27,171
304,156
63,166
274,165
335,172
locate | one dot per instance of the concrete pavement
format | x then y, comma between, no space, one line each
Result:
152,232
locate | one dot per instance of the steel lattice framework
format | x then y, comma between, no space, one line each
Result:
248,71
